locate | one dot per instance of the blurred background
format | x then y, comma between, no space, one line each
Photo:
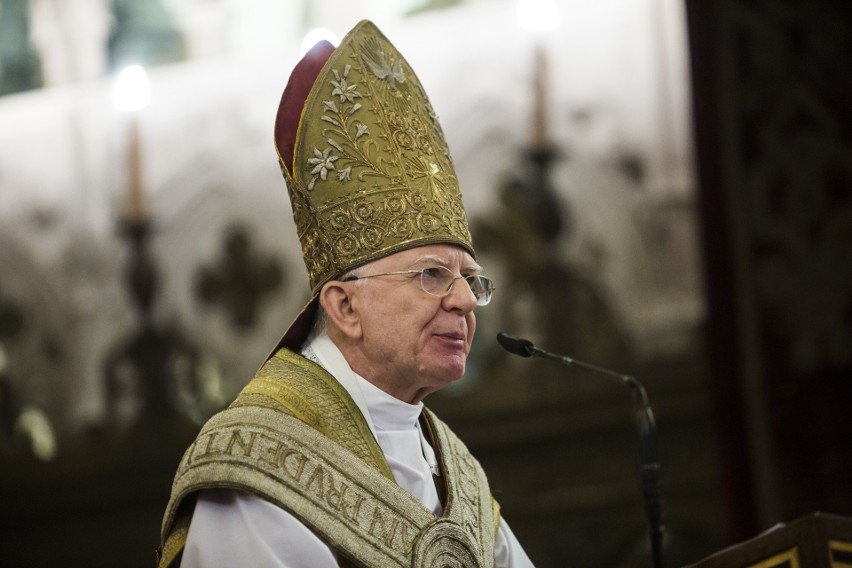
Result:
659,187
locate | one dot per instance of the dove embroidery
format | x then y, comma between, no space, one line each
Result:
383,70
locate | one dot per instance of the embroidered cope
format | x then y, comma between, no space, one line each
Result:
231,527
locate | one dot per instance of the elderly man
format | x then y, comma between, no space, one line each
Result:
328,456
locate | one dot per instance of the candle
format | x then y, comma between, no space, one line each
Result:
539,17
135,198
131,94
540,136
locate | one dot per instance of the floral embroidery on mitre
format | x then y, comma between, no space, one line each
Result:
376,171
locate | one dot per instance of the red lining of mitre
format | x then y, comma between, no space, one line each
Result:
293,99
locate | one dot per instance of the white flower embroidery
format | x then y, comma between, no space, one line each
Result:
322,162
342,88
347,138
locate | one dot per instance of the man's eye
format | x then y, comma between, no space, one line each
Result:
432,272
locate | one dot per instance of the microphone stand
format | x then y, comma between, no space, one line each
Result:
649,465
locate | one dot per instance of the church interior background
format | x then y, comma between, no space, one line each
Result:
657,187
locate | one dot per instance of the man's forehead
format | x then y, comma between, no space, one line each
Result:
440,254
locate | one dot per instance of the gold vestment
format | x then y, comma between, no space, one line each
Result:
295,437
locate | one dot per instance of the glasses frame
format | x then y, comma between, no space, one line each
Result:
479,301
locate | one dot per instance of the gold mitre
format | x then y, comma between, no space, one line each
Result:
367,167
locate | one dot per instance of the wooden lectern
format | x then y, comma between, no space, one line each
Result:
818,540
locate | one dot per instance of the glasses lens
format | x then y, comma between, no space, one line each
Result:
436,280
439,280
481,287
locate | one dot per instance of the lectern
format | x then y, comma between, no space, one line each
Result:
818,540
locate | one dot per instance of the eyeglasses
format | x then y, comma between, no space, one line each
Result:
439,280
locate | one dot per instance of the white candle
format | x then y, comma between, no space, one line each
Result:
540,136
538,17
131,94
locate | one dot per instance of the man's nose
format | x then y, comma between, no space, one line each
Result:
460,297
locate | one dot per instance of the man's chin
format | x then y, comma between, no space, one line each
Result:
451,371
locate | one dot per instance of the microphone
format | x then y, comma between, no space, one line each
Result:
515,345
649,467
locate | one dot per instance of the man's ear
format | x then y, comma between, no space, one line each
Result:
336,300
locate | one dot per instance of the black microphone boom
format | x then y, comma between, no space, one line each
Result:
649,466
526,348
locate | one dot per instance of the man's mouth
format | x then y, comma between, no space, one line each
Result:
452,337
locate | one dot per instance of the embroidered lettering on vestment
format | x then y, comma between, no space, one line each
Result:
296,438
357,509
